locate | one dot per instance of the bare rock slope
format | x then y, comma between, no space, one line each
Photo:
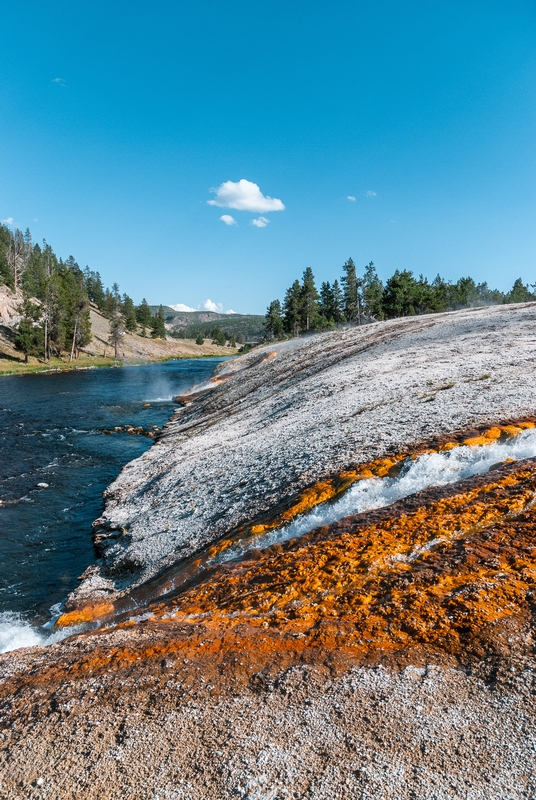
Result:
294,414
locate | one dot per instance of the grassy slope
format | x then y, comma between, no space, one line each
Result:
135,350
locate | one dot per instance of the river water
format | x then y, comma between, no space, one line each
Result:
50,433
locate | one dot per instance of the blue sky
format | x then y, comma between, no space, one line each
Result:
118,118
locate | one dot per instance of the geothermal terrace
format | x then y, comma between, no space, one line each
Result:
318,583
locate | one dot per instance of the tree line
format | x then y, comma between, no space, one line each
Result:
56,299
361,298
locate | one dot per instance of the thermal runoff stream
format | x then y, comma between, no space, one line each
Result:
427,470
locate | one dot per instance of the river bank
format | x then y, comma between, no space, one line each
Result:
387,652
135,349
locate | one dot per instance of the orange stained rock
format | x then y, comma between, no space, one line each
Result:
431,573
88,613
380,468
322,491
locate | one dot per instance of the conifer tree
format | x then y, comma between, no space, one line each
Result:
273,321
338,303
158,327
308,300
327,301
372,289
351,287
143,314
129,313
28,338
292,309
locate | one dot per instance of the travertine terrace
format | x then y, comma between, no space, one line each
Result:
389,654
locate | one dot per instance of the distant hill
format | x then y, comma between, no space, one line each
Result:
188,324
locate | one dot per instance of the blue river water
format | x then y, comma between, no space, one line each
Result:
50,433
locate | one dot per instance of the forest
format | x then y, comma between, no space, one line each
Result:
358,299
57,294
56,298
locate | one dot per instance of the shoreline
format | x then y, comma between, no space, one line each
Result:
100,363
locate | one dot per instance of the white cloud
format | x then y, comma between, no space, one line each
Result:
208,305
351,198
244,196
8,221
370,193
181,307
59,81
228,219
261,222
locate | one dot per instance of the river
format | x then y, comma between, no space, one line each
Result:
51,433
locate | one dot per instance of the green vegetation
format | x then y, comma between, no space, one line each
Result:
56,298
237,328
364,298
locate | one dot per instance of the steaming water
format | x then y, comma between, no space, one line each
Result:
434,469
50,434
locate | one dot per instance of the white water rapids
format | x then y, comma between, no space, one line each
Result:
431,469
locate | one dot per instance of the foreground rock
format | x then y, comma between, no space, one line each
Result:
388,655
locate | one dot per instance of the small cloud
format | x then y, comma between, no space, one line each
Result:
228,219
8,221
351,198
244,195
370,193
261,222
35,219
59,81
181,307
208,305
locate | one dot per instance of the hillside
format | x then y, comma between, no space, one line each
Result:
134,347
244,327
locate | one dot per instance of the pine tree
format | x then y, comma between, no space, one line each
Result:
308,300
273,321
117,323
158,327
519,293
352,300
200,339
338,303
327,301
292,309
143,314
28,338
129,313
372,289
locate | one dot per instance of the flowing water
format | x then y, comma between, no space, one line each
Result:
430,469
50,434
